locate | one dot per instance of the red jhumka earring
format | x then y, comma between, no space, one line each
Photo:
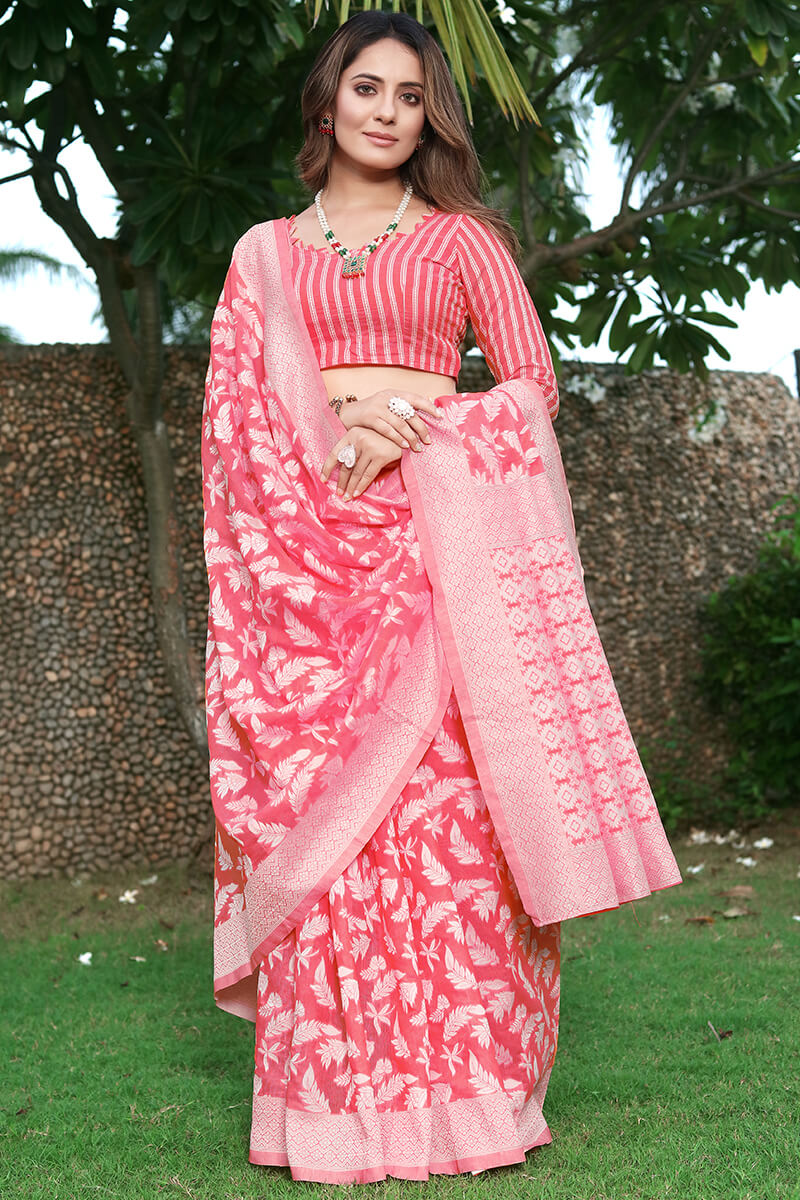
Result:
326,124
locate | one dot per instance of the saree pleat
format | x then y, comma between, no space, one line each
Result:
409,1024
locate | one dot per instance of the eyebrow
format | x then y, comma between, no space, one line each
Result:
377,78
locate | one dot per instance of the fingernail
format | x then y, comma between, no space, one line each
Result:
427,437
405,443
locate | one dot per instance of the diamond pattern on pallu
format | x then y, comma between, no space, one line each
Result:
417,981
584,731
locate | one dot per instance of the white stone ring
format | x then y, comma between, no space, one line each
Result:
347,455
401,407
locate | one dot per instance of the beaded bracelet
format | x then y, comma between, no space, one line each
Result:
337,402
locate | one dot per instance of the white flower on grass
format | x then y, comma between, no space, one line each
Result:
665,917
136,958
796,918
696,870
722,94
747,861
763,843
85,958
129,897
699,837
150,879
77,881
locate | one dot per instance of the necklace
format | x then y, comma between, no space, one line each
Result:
355,260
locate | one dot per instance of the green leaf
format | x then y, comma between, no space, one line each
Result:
758,50
712,318
21,38
195,217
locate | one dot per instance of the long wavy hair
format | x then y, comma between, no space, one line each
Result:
445,170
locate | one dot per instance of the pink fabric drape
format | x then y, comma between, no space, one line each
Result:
338,629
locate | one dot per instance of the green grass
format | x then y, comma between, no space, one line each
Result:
123,1080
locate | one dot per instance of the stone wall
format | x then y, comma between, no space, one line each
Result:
95,767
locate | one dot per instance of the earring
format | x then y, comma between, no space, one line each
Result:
326,124
420,139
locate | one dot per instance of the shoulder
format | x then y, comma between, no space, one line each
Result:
256,241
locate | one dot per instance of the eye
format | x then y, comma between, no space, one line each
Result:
413,96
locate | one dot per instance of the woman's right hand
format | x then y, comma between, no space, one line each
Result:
373,412
373,453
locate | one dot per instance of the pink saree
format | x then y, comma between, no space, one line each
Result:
414,734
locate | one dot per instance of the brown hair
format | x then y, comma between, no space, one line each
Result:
445,170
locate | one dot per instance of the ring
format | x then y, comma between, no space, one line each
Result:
347,455
401,407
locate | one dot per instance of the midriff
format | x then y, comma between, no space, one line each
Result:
363,380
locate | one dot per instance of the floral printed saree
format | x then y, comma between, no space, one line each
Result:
419,761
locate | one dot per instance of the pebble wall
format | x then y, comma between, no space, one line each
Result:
96,769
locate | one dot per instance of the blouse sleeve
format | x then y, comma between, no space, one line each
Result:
506,324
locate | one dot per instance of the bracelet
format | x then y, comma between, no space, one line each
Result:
337,401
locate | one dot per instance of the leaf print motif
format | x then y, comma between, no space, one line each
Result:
458,1018
224,859
332,1050
226,776
310,1095
219,613
389,1090
463,850
435,913
399,1043
459,975
268,833
481,953
432,868
303,782
321,988
482,1080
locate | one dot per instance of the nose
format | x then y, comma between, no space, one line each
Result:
385,106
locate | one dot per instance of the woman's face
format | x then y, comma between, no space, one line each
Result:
380,93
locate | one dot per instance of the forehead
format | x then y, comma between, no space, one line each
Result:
390,59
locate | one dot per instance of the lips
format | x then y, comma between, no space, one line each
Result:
380,139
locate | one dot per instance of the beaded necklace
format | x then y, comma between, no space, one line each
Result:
355,260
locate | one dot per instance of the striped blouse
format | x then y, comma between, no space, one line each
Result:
411,306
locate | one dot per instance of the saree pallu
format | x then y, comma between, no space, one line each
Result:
346,640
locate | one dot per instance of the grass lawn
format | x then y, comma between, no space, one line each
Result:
122,1079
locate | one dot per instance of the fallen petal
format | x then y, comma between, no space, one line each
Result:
696,870
747,862
763,843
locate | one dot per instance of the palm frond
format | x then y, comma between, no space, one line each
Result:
14,263
467,36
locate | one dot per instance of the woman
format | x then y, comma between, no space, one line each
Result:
419,762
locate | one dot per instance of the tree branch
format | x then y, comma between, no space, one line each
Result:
19,175
700,59
629,218
770,208
94,129
590,55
